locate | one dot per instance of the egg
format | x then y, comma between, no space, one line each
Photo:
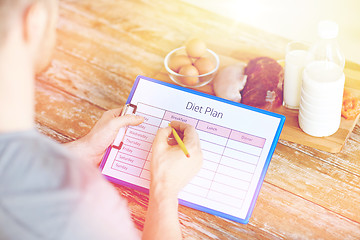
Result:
190,72
204,65
176,62
195,48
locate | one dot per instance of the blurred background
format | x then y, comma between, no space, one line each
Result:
295,19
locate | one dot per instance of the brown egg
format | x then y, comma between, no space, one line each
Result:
204,65
176,62
195,48
189,71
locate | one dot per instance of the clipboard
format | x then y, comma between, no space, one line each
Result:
237,141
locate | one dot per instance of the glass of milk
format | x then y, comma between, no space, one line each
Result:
295,60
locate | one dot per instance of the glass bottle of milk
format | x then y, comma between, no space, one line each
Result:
323,84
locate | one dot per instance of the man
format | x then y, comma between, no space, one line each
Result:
44,193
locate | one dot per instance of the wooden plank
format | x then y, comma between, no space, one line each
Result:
274,210
160,26
64,114
102,23
86,81
347,159
291,217
320,182
52,134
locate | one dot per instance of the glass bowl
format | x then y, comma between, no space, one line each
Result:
203,79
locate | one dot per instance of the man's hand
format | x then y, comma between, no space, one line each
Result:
92,146
171,170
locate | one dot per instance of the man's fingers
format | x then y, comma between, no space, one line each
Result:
113,112
127,120
131,120
190,134
161,138
179,126
116,112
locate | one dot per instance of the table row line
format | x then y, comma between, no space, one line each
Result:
208,172
226,205
136,137
231,196
198,185
212,152
208,163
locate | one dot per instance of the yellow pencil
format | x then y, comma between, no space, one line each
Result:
180,142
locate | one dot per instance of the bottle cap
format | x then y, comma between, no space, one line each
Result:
328,29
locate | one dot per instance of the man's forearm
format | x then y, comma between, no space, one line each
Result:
80,149
162,218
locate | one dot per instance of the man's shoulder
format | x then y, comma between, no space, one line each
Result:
29,159
38,186
49,194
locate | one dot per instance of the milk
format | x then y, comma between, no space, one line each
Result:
295,62
321,98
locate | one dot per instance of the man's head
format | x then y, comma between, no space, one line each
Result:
32,23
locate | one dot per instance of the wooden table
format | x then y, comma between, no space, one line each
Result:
103,45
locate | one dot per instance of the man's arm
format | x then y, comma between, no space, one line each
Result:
171,170
162,220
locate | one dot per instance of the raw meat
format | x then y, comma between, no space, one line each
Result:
264,86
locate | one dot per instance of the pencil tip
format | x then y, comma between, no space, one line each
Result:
188,155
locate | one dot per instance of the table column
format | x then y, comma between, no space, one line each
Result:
213,139
133,157
236,168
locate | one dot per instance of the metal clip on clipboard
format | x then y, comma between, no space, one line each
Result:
118,142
